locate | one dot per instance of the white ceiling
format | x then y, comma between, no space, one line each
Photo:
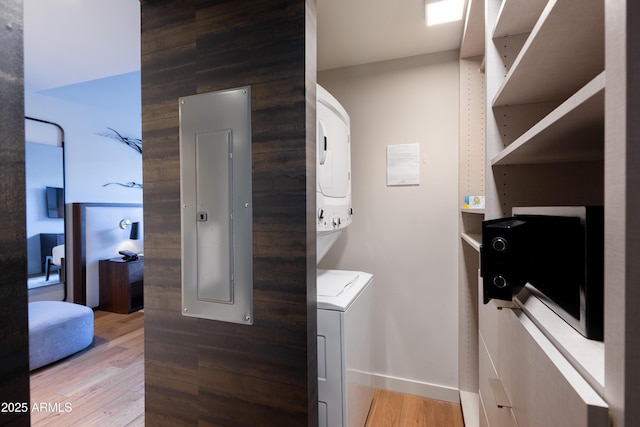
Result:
353,32
71,41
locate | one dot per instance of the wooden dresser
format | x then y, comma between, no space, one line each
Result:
121,285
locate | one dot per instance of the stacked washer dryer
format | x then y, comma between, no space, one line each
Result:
345,299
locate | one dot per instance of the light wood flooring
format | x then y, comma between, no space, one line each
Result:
104,386
391,409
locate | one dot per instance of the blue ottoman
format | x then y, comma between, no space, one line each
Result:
57,329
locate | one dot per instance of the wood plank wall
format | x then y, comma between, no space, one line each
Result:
14,333
202,372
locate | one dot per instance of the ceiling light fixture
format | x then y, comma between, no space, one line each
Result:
443,11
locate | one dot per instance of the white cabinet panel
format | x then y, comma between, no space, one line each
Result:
542,387
483,415
496,416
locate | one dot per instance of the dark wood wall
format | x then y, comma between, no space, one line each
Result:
14,333
203,372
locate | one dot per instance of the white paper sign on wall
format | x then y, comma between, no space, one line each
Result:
403,164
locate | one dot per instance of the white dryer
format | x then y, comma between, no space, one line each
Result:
333,170
345,360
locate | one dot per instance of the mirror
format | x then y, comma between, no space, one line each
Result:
45,203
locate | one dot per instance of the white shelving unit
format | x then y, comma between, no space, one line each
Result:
573,132
472,169
518,17
564,51
473,35
545,127
551,113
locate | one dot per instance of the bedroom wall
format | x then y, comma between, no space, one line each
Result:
406,236
85,111
14,351
104,239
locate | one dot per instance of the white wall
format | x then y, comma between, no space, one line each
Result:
406,236
92,160
105,239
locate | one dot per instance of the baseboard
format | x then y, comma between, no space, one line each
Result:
418,388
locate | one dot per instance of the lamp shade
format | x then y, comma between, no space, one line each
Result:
135,231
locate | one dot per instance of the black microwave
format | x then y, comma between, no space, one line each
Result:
557,253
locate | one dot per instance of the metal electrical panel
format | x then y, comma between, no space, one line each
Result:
215,186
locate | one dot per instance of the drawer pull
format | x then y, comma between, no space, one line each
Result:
498,393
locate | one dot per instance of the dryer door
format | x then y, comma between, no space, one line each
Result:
334,152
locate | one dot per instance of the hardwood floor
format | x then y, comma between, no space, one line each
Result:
100,386
104,386
391,409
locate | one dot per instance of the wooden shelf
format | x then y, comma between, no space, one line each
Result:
518,17
564,51
473,211
472,44
572,132
474,240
